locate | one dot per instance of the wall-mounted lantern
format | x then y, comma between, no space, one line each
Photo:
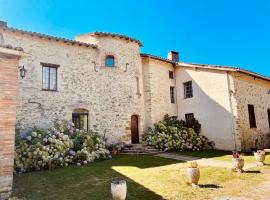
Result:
22,71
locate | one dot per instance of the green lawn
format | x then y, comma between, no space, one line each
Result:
220,155
148,177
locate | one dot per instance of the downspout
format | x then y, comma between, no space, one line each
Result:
231,109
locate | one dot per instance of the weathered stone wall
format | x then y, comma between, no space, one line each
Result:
157,90
8,91
110,95
210,103
248,90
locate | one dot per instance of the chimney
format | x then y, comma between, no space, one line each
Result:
3,24
173,56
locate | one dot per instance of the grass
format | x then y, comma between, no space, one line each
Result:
220,155
148,177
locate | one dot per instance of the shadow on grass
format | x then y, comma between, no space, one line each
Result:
253,172
86,182
214,186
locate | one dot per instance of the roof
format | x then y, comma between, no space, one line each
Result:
157,58
68,41
97,33
224,68
207,66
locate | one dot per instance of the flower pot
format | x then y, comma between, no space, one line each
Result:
193,175
238,164
259,157
119,189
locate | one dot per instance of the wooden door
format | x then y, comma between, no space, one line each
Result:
134,129
268,111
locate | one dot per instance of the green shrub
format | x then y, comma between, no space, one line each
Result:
61,145
175,135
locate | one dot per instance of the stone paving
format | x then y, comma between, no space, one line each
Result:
204,161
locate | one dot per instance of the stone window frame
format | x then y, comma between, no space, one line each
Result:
78,113
252,116
172,94
109,54
49,65
188,89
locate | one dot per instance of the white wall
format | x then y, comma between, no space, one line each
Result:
210,103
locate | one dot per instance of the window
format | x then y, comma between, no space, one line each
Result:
189,117
170,74
80,119
109,61
252,119
268,113
188,91
172,94
49,77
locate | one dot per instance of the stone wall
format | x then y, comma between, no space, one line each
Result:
157,90
210,103
110,94
248,90
8,88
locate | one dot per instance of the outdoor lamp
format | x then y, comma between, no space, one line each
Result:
22,71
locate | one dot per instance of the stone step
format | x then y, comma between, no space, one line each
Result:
139,149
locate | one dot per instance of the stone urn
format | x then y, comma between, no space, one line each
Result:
238,164
259,157
193,173
119,189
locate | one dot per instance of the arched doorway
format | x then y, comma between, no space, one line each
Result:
134,129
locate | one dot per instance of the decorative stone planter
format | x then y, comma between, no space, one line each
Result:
238,164
119,189
193,173
259,157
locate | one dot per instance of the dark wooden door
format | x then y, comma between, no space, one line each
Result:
134,129
268,111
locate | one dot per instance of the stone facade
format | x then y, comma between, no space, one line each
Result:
138,84
9,60
254,91
157,90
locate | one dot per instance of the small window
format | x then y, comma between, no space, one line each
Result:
188,91
80,119
268,113
170,74
189,117
252,118
49,77
172,94
109,62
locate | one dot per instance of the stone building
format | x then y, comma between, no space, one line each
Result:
102,82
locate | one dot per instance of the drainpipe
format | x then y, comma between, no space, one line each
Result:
175,90
231,109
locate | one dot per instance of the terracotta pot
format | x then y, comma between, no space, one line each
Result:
119,189
259,158
193,175
238,164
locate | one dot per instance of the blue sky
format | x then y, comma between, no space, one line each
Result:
224,32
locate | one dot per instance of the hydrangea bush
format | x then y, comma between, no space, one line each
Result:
174,135
59,146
